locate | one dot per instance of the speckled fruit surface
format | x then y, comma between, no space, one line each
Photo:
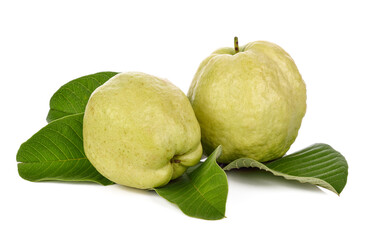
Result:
140,131
251,102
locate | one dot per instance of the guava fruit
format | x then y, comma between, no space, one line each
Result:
249,99
140,131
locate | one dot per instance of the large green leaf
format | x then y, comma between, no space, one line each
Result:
201,192
318,164
72,97
56,153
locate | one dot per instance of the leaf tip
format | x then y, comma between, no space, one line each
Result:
218,151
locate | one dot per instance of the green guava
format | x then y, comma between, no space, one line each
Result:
140,131
251,100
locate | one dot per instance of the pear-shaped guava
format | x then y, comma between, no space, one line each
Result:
251,100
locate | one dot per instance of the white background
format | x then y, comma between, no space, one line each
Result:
45,44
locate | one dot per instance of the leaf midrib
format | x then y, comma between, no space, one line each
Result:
200,193
57,160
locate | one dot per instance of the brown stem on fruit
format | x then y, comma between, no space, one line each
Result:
236,44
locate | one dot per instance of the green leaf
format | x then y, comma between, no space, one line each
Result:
201,192
72,97
56,153
318,164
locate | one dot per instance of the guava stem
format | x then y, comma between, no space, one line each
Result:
236,44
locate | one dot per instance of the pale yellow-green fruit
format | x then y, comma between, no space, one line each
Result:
140,131
251,102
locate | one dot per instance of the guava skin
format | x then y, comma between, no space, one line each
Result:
140,131
251,102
